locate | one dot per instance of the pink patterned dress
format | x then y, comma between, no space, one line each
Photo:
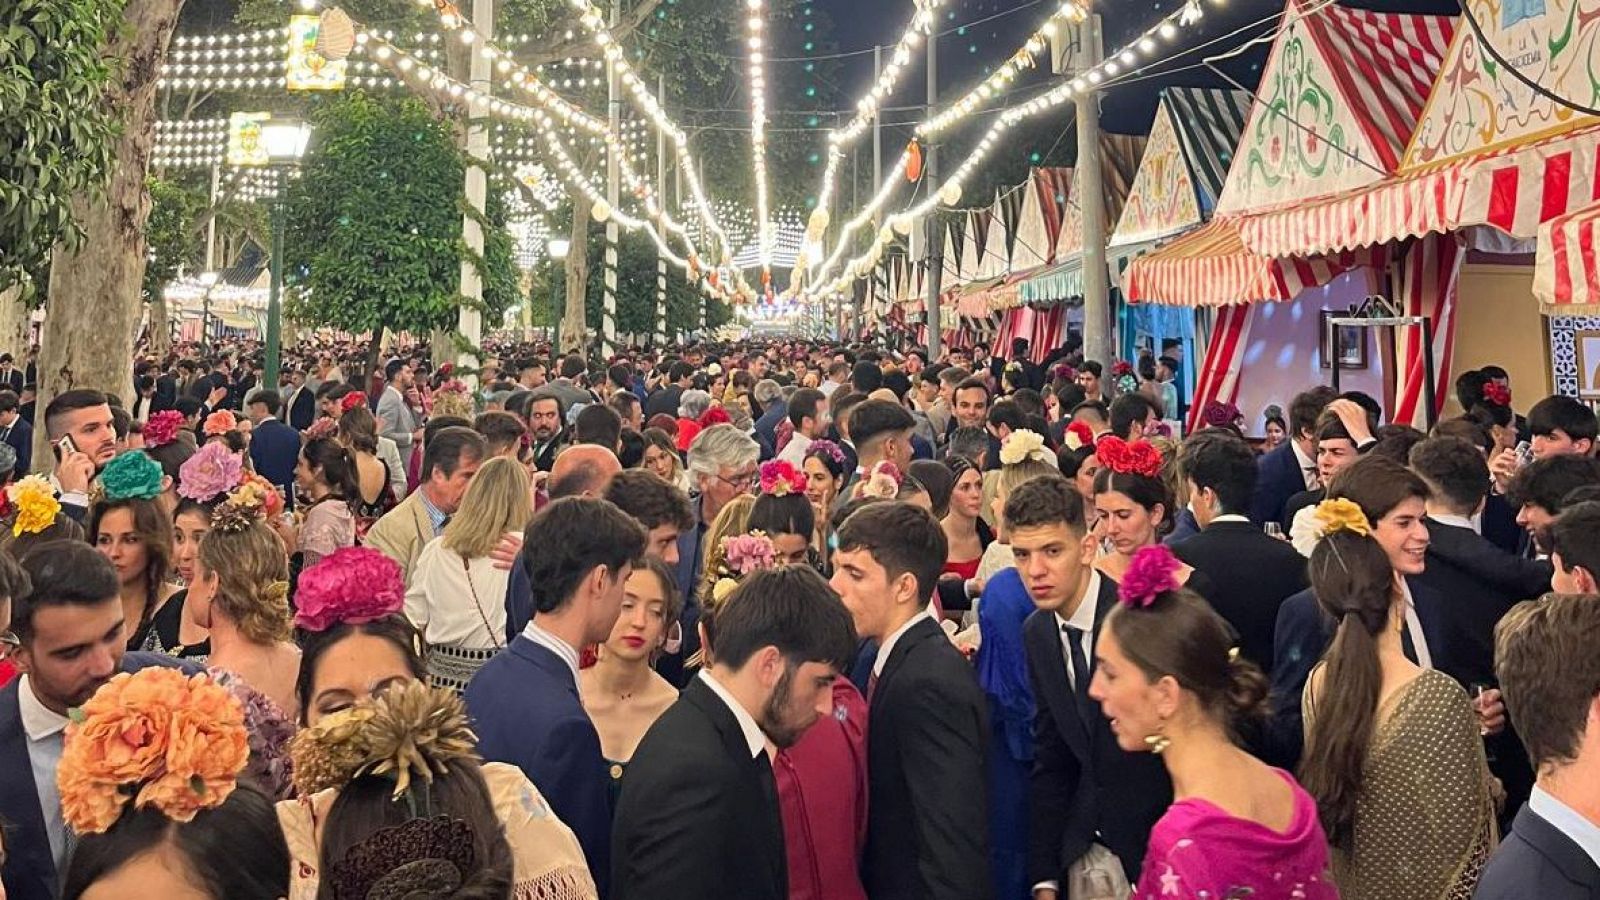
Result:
1199,852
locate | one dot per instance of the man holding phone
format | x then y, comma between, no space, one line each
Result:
80,428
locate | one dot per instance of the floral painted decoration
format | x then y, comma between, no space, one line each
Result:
353,585
213,471
219,423
1137,458
1152,572
1341,514
131,475
35,504
1023,444
1078,436
779,478
162,428
153,738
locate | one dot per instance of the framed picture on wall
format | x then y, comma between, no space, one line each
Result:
1587,344
1350,340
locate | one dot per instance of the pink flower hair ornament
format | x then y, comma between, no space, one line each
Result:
162,429
779,478
748,553
353,585
882,482
210,473
1153,572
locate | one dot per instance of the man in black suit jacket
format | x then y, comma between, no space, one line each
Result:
698,816
578,553
1551,678
274,446
1253,573
16,431
10,376
1086,790
927,728
666,398
69,619
1291,468
301,407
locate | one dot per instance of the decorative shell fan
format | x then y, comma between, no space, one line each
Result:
336,35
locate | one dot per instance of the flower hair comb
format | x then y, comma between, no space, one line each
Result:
1341,514
1137,458
352,585
779,478
1153,572
1021,445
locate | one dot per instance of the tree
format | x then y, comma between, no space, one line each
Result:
373,236
175,244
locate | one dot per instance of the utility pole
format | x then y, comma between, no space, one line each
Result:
1091,193
661,198
930,175
608,314
469,320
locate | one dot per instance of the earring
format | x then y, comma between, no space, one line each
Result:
1158,742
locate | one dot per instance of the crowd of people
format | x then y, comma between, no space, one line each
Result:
789,620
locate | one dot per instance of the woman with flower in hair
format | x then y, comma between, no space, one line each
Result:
1393,751
129,527
394,801
1134,507
167,442
731,522
240,595
825,468
782,512
457,594
149,784
1170,679
1275,427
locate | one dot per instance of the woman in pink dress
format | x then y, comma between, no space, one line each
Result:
1169,677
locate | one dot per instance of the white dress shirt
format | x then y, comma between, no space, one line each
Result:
1083,620
794,452
1475,524
455,603
1419,640
1308,466
46,733
889,642
753,735
1568,821
567,652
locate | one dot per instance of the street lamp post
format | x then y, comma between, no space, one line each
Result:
558,248
284,141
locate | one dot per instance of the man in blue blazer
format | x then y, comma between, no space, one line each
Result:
578,553
1550,677
17,432
68,619
1292,467
274,446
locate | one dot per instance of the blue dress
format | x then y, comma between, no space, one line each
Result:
1003,675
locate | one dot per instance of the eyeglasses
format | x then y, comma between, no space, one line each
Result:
9,643
742,482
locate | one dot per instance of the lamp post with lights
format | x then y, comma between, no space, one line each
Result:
557,248
284,141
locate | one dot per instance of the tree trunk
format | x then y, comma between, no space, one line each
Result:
14,323
441,348
574,324
93,305
160,327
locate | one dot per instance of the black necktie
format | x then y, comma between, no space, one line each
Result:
1408,645
1080,668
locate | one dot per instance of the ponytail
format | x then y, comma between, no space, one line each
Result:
337,464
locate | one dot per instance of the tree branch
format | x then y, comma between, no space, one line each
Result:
630,22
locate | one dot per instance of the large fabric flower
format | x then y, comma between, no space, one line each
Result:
1340,514
219,422
1078,436
35,504
747,553
131,475
157,736
211,472
780,478
1137,458
1021,445
352,584
162,429
1152,572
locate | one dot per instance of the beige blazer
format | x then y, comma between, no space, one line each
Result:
402,533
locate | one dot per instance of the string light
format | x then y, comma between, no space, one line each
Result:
758,134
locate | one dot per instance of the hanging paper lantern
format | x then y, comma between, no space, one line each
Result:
601,210
885,235
713,277
336,35
901,223
913,161
950,194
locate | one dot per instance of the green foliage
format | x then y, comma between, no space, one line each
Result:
55,136
373,234
175,240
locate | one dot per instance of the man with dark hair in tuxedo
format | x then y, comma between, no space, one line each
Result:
1292,467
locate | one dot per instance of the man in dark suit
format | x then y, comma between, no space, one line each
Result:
927,729
301,407
1086,790
274,446
10,376
69,620
1292,467
665,400
774,409
698,816
16,431
547,428
1394,501
578,553
1551,678
1253,573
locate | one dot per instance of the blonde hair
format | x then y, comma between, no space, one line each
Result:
733,521
252,579
497,501
1019,473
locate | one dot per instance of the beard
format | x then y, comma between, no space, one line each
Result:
782,726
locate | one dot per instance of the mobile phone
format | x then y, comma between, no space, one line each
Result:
66,445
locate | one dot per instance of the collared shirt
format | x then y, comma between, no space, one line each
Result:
1568,821
1308,466
435,516
1083,620
753,735
46,731
889,642
795,451
1457,521
1419,639
567,652
1229,517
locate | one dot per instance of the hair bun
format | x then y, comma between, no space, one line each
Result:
1247,689
1273,411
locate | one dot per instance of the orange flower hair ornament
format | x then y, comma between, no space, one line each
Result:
1137,458
157,738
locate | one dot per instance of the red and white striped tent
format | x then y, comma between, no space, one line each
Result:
1566,273
1371,73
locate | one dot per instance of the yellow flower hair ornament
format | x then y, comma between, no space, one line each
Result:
1340,514
35,504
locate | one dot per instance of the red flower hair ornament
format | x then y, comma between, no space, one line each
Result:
1137,458
1497,393
352,400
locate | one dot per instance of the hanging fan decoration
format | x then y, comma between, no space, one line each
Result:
336,35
